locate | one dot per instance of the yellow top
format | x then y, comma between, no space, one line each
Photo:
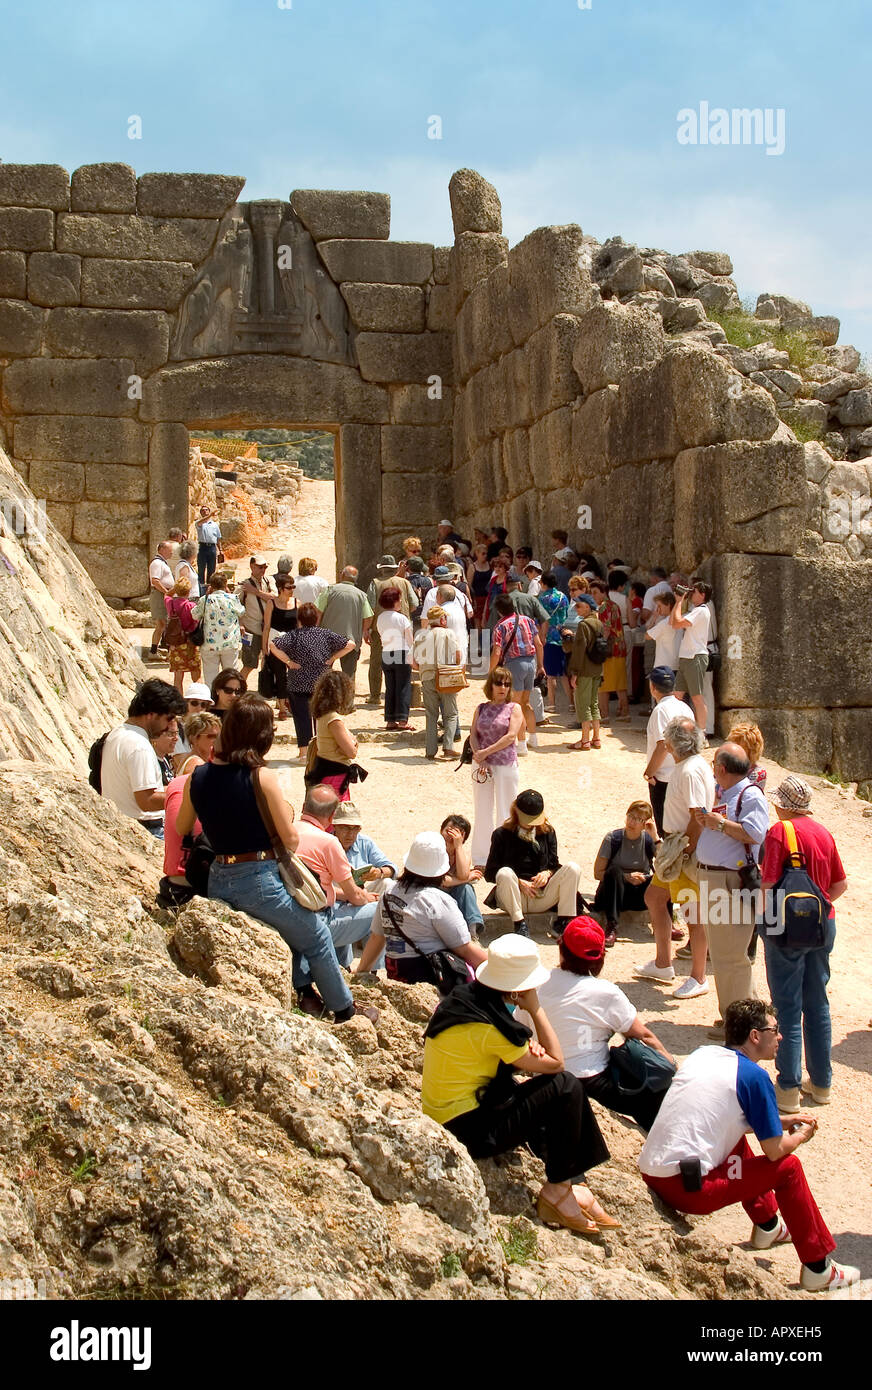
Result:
327,746
457,1062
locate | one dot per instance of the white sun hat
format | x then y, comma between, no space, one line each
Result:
427,855
512,964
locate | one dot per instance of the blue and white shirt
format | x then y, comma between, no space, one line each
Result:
364,853
716,1097
208,532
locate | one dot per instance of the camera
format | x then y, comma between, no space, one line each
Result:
682,590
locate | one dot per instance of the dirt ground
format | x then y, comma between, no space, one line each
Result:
586,795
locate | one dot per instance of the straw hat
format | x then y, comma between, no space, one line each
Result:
512,965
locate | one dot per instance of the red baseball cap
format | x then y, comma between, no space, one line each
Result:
585,938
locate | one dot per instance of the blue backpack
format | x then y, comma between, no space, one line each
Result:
801,908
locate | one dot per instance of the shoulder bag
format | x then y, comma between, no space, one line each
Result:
297,877
447,968
197,635
749,872
635,1067
450,679
504,646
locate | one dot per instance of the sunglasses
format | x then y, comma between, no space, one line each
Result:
502,684
234,689
199,704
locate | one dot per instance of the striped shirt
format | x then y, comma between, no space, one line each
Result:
523,643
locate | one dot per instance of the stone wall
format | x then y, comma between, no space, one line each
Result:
582,403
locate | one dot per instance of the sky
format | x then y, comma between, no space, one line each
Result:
572,112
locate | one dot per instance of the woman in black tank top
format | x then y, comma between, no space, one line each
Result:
280,615
245,874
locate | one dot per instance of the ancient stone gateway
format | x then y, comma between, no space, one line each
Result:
557,384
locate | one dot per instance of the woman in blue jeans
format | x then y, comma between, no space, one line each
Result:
245,875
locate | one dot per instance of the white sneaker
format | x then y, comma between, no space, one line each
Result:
521,748
533,740
690,989
653,971
834,1277
764,1240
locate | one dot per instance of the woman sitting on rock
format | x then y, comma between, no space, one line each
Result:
222,795
415,917
524,867
201,733
585,1011
473,1044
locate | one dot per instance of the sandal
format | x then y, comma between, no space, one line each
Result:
595,743
580,747
594,1211
553,1216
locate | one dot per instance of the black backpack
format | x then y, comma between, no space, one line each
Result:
199,859
95,763
598,652
802,910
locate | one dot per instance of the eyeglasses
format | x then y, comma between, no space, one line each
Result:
770,1029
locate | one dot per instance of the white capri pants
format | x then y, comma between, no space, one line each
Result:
491,802
215,660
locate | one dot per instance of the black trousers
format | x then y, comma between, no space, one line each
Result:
642,1108
207,559
300,714
658,801
550,1113
615,895
398,691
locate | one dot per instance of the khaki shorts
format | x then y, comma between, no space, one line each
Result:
691,674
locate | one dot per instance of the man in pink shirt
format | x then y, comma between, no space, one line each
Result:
351,909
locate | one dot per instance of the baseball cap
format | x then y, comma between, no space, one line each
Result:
259,559
793,794
663,677
531,808
346,813
585,938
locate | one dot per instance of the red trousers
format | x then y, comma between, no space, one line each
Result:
763,1187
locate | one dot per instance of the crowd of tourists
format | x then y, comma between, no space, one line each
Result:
514,1053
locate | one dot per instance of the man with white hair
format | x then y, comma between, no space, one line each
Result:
455,605
350,908
690,789
160,581
345,609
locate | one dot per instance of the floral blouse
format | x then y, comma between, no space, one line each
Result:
220,613
613,628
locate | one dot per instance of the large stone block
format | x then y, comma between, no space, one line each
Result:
13,275
379,262
418,405
243,391
142,334
488,309
411,448
440,309
476,254
105,523
127,237
642,418
856,408
45,384
53,279
741,496
59,482
590,434
103,188
852,744
329,215
612,340
135,284
119,571
34,186
168,457
635,501
517,372
522,517
60,514
415,500
713,403
358,475
551,449
553,381
475,203
26,229
763,602
21,328
516,462
799,739
80,439
405,357
561,284
386,308
442,264
187,195
115,482
559,508
715,262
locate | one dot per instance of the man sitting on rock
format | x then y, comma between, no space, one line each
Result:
369,865
697,1159
350,908
457,883
130,773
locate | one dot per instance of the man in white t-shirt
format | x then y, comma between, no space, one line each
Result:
693,656
160,582
660,764
130,774
691,788
585,1011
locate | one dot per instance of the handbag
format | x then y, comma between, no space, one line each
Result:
714,657
267,684
465,754
450,679
447,969
749,872
297,877
197,635
635,1067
